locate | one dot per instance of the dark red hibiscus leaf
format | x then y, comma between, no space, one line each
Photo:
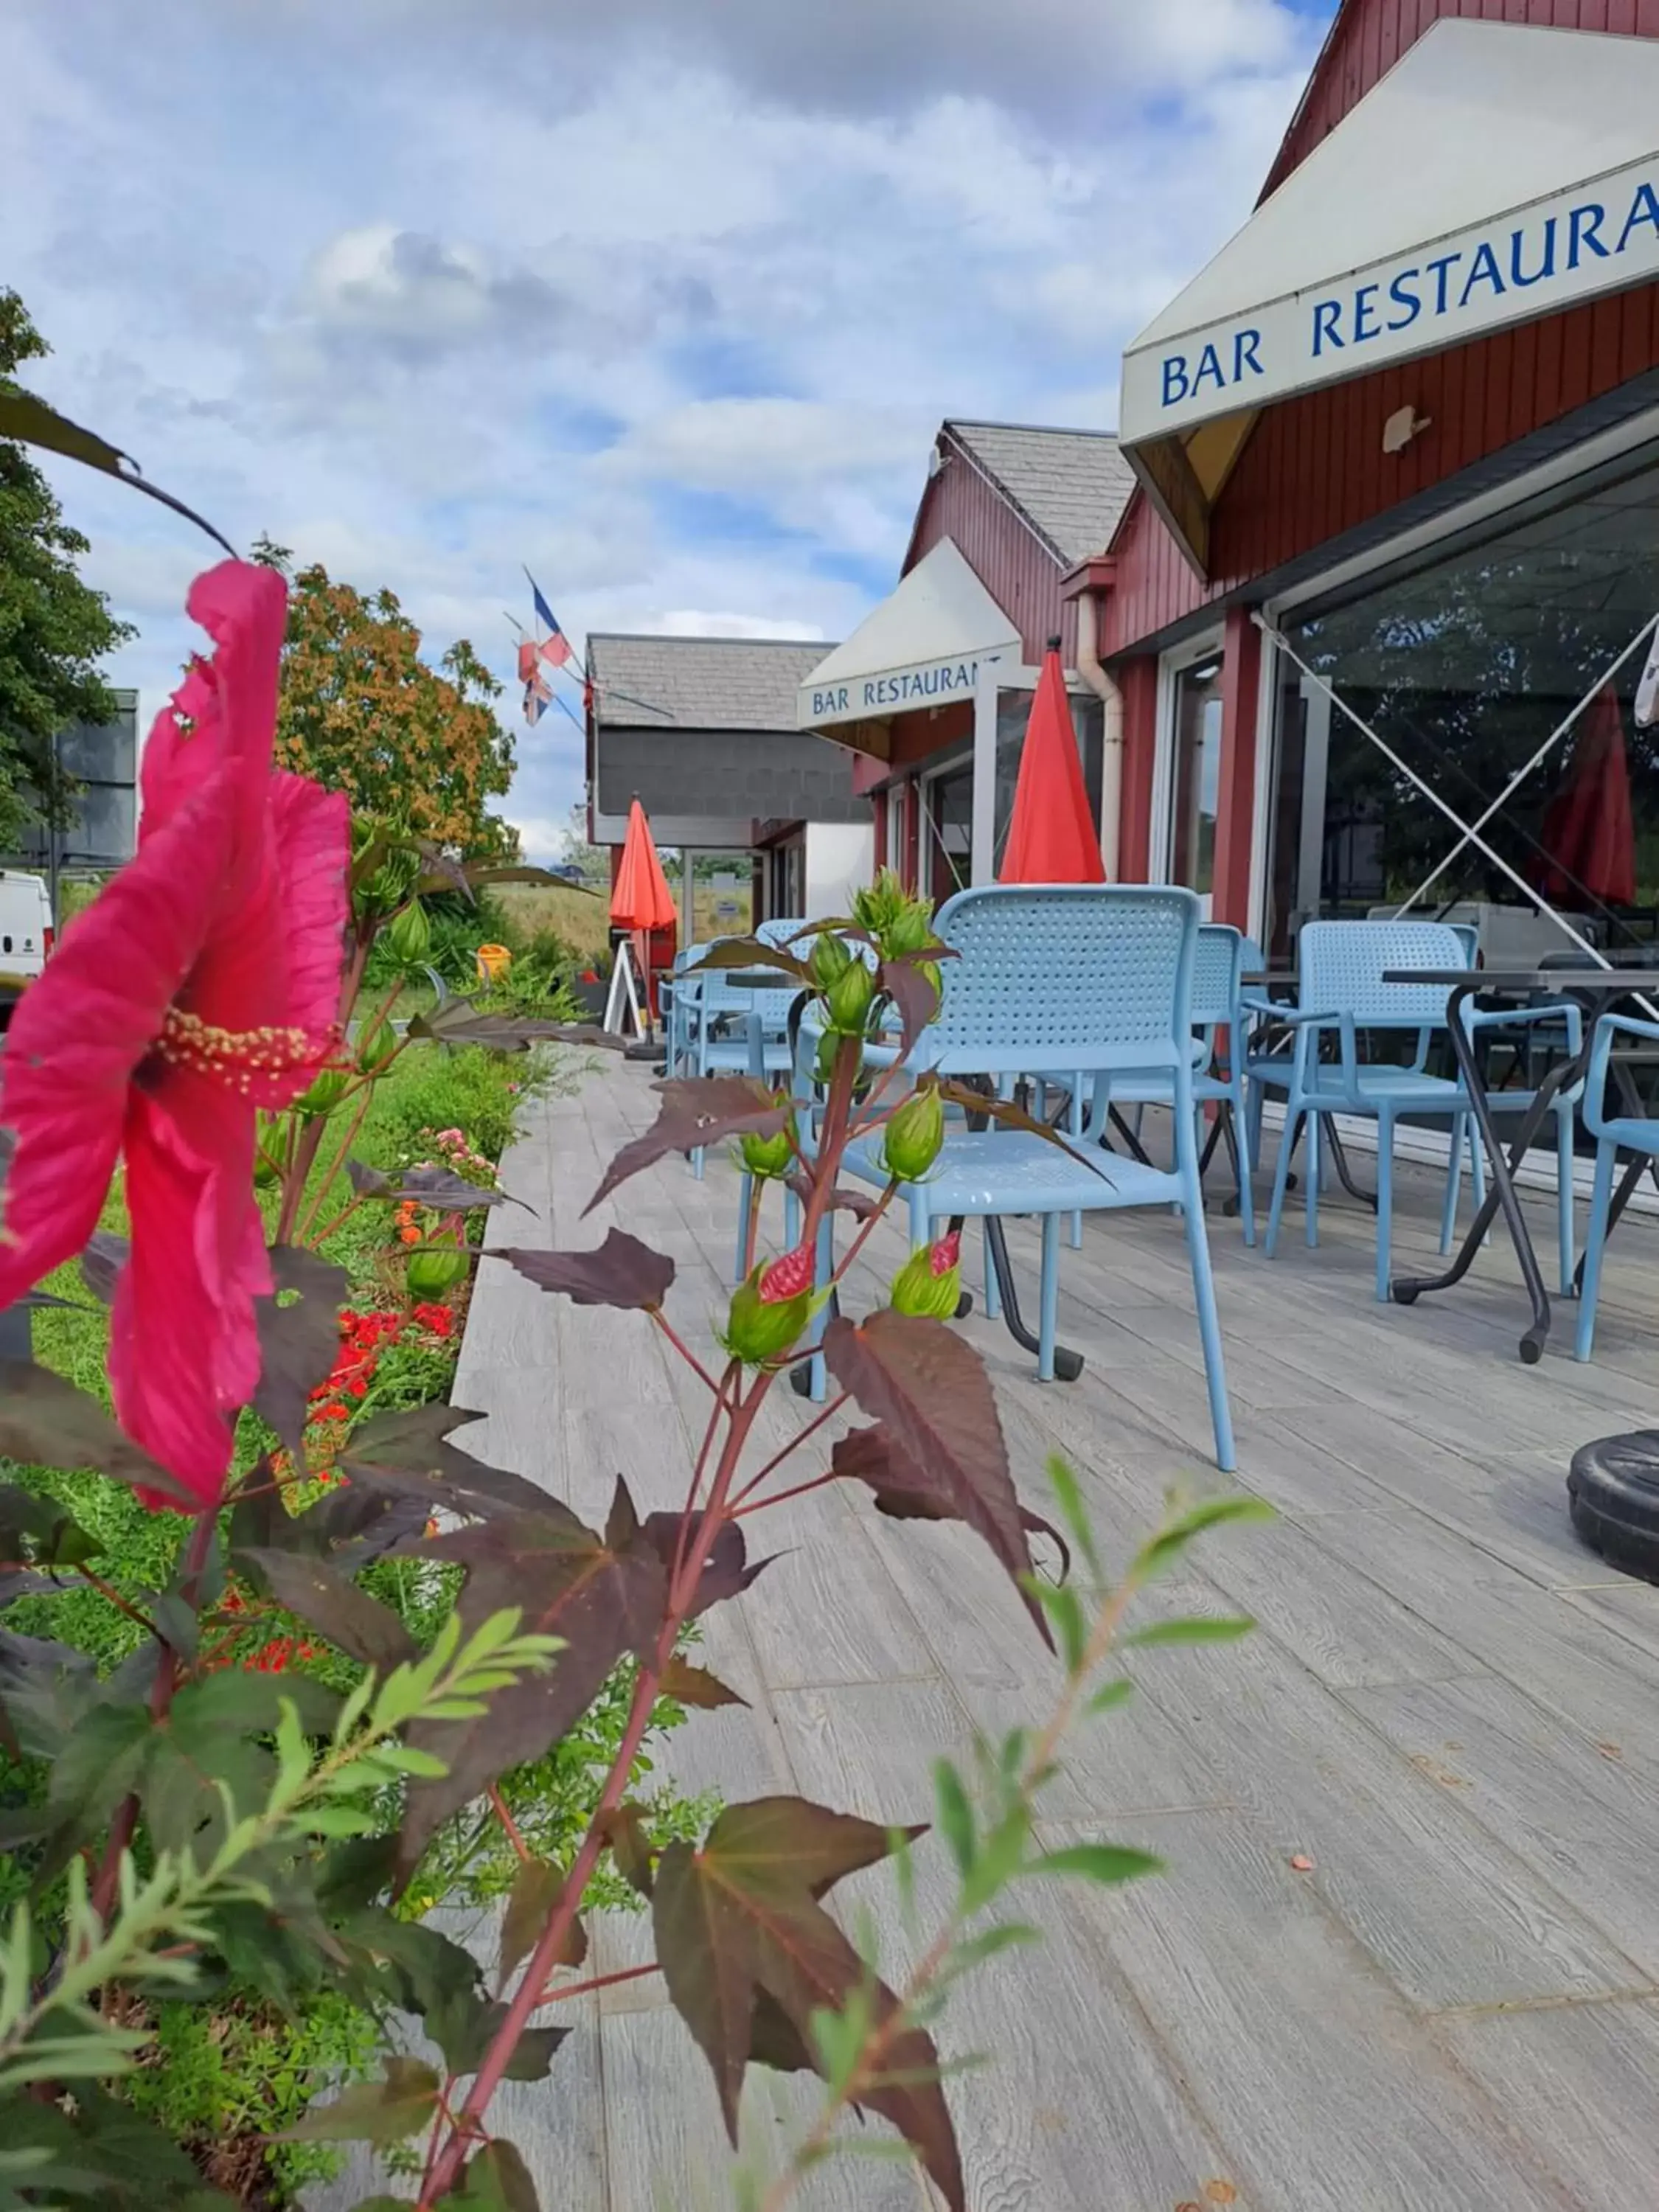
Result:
602,1599
930,1391
349,1618
754,952
844,1198
726,1573
904,1492
299,1328
46,1422
409,1455
914,993
695,1112
440,1189
458,1021
749,1955
621,1272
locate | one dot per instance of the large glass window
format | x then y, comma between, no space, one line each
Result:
1195,776
947,832
1465,664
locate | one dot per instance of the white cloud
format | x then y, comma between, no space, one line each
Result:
664,300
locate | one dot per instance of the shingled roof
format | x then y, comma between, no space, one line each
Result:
699,683
1072,486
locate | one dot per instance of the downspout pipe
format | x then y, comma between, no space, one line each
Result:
1103,684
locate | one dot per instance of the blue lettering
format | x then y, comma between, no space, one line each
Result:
1585,229
1176,385
1402,296
1328,313
1208,371
1366,325
1483,269
870,690
840,697
1642,208
1440,268
1546,267
1244,355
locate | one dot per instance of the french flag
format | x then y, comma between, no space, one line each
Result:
555,647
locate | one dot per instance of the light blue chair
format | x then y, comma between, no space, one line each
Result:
1612,1133
1081,984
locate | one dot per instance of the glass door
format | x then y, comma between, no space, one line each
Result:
947,832
1194,777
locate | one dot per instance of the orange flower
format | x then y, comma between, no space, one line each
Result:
409,1236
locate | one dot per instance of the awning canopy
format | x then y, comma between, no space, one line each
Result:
1496,173
921,648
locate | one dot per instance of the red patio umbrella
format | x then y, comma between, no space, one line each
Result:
1589,832
1051,837
640,900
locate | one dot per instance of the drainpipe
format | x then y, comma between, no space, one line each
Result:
1103,684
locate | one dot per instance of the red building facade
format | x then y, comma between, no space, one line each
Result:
1363,474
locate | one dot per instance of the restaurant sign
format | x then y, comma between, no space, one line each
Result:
893,691
1598,237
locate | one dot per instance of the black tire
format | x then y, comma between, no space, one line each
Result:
1613,1489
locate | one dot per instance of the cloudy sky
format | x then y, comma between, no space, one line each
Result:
663,298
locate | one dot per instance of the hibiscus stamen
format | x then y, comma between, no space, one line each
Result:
236,1055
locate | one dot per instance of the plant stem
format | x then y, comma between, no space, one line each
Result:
510,1824
599,1981
780,1496
683,1350
793,1445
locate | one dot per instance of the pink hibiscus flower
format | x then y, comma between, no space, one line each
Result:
203,984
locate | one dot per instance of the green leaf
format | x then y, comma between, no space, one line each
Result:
1196,1628
1110,1695
386,2112
1171,1540
955,1815
745,1944
1065,1608
938,1451
1102,1862
1073,1512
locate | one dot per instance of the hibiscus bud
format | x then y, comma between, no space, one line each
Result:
433,1271
408,935
766,1156
910,929
327,1090
830,960
929,1283
847,1002
760,1328
823,1065
915,1132
374,1044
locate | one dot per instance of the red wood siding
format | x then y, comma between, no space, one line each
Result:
1314,466
1368,37
1015,567
1139,682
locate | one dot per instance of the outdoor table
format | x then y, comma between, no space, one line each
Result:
1595,987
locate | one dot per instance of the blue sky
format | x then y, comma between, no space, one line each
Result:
663,299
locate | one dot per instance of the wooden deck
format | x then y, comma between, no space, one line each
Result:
1448,1707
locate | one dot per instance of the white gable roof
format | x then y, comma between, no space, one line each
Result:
1484,134
921,648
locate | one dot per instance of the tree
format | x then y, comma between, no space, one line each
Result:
364,713
54,629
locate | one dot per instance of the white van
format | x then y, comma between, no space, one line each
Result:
26,925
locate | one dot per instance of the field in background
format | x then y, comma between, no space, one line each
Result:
580,918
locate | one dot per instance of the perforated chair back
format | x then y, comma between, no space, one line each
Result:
780,928
1218,966
1086,977
1341,964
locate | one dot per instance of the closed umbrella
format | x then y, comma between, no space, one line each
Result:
640,900
1589,831
1052,837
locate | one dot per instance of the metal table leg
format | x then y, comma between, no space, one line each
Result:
1344,1173
1406,1289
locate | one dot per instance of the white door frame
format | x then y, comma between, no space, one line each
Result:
1188,654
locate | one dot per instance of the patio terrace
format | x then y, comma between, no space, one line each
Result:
1448,1706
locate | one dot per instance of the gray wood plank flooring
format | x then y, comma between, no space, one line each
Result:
1448,1707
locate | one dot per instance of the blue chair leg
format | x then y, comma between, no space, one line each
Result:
1209,1330
1074,1130
1454,1181
1246,1193
921,1220
1564,1221
1253,1105
1595,1238
993,1289
1384,1202
745,1200
1314,1180
1049,1298
1281,1175
791,1219
1477,1171
824,1266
